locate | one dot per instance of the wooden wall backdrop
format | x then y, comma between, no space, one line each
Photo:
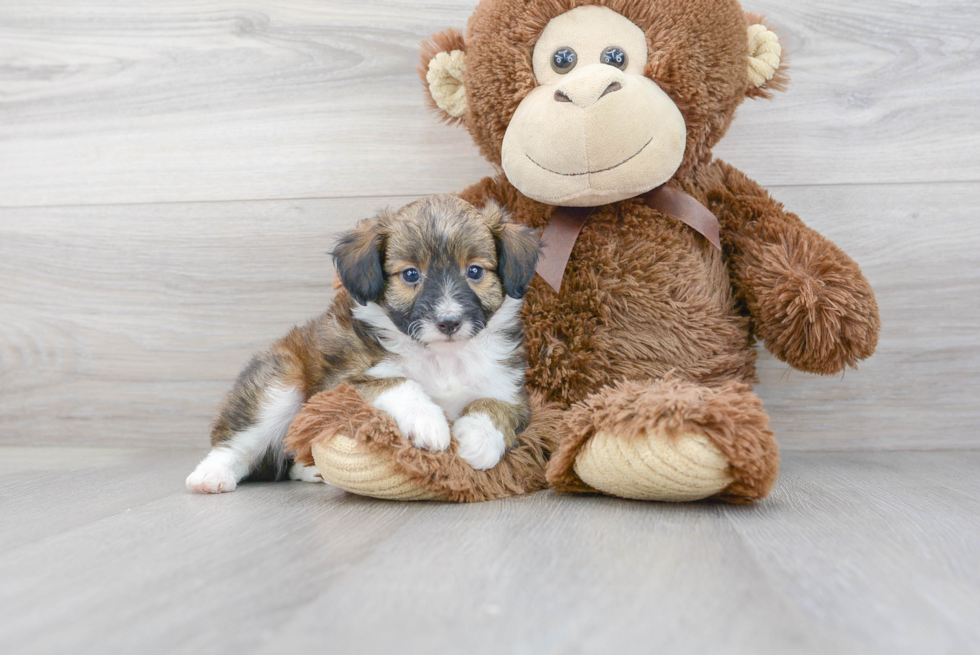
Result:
172,174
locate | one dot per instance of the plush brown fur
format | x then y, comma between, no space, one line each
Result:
809,301
343,411
654,329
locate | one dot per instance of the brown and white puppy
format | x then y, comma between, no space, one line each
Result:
429,328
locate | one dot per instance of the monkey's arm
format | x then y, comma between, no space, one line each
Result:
809,301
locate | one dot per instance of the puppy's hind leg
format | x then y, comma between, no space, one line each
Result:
252,422
303,473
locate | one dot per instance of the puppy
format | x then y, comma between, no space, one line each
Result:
428,327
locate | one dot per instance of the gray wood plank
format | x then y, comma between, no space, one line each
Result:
47,491
185,573
874,546
854,553
222,100
881,91
126,324
559,575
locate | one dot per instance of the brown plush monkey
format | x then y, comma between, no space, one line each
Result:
646,345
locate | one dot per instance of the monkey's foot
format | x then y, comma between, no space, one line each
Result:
668,441
654,466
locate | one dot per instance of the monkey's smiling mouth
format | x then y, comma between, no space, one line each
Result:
601,170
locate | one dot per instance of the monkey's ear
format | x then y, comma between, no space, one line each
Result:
766,61
518,248
358,259
442,70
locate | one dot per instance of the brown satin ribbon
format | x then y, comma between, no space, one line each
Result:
566,223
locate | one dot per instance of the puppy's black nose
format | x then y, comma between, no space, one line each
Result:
448,324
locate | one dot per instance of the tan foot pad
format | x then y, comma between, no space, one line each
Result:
653,466
353,467
359,449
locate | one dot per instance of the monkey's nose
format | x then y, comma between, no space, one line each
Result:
612,88
448,325
585,91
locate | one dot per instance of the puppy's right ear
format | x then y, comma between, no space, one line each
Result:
358,259
518,248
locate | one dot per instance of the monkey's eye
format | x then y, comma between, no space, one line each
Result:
563,60
411,275
614,56
475,273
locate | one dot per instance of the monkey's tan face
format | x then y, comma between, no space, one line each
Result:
595,130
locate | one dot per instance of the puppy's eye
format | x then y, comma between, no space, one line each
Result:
563,60
614,56
411,275
475,273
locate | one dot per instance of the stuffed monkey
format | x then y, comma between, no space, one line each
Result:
662,265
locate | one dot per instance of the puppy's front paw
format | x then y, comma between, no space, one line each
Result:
418,418
426,427
481,444
211,478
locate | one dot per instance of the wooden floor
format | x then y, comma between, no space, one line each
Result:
103,551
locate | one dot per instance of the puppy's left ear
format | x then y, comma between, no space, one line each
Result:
358,259
518,248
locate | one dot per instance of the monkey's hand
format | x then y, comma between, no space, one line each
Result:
813,307
808,300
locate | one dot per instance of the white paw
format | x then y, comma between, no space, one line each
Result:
426,426
481,444
418,418
212,478
303,473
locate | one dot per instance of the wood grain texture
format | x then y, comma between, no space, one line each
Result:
860,553
105,102
127,324
73,486
130,322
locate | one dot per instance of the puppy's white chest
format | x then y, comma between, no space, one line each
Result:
455,379
453,382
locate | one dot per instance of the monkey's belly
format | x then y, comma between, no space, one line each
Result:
639,325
